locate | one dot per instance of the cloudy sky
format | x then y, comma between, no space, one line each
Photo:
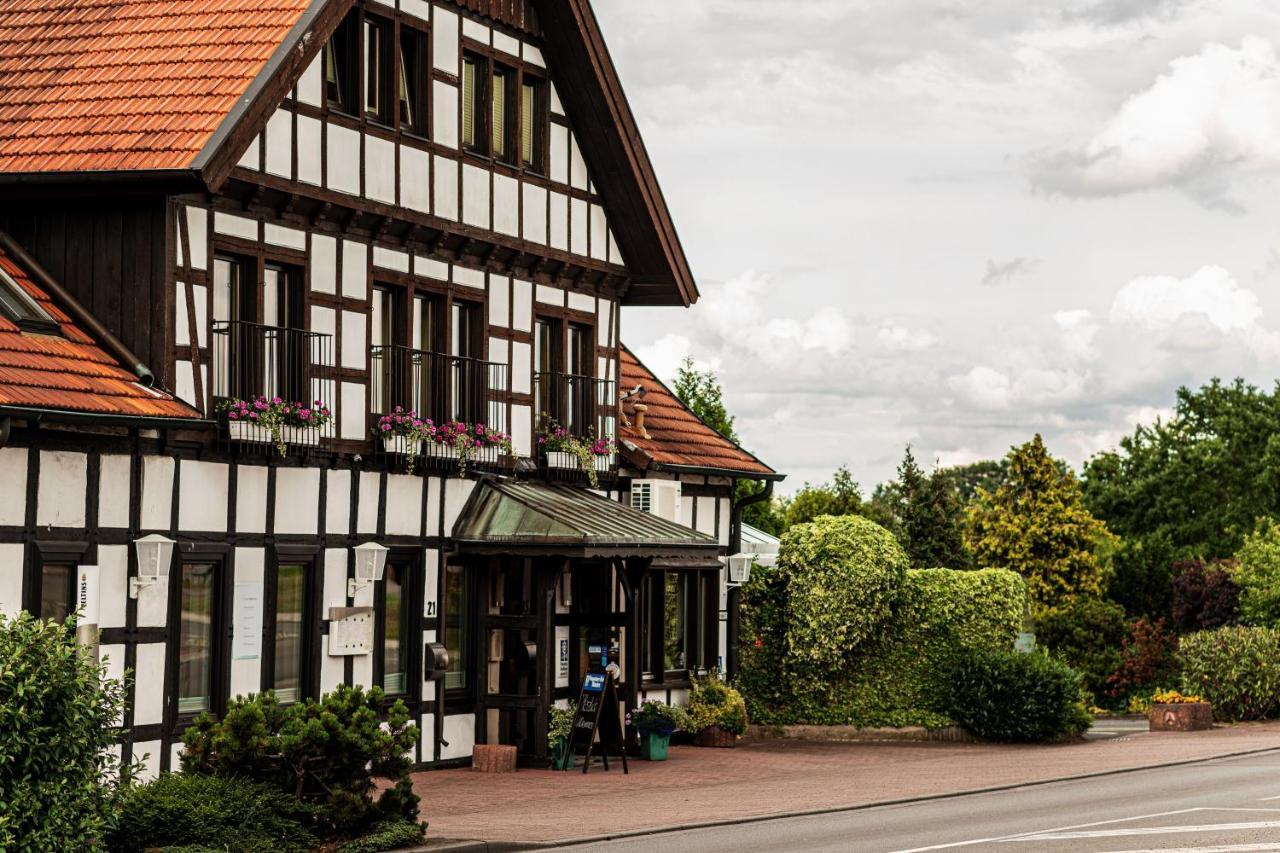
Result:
956,223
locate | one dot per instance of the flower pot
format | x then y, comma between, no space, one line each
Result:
300,436
653,746
401,445
442,451
563,460
1181,717
714,736
244,431
604,464
561,754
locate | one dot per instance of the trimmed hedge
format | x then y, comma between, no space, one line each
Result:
1236,669
1015,697
902,677
222,813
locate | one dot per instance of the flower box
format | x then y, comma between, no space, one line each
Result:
717,737
653,746
563,460
1180,717
440,450
604,464
401,445
252,433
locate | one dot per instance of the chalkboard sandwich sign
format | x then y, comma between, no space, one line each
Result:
597,726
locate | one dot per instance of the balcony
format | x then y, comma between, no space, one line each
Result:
251,360
440,388
585,406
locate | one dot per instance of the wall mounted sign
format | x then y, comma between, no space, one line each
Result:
350,631
87,594
562,656
246,622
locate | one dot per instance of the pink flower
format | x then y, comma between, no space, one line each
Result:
233,416
386,427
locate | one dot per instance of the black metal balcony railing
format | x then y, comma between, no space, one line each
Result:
440,388
583,405
252,360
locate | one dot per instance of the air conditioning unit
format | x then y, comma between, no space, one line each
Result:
658,497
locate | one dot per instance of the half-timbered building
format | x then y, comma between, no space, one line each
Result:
440,206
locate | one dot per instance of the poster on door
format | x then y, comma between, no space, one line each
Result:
562,656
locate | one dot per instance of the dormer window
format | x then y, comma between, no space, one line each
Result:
18,306
377,69
412,81
340,67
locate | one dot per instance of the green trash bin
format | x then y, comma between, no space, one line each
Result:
653,746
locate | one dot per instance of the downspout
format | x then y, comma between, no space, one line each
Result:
735,593
79,315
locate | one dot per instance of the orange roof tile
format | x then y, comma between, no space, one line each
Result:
72,372
677,437
96,85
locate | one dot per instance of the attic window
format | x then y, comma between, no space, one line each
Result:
18,306
377,69
533,123
340,67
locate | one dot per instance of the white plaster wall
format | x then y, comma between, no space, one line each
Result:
559,153
559,233
335,579
578,226
113,491
202,496
332,668
148,752
310,132
535,213
355,269
499,301
324,263
252,155
522,305
198,236
505,43
723,532
578,176
354,340
430,268
343,149
148,698
404,505
506,205
522,430
367,517
468,277
460,734
427,726
337,512
418,8
415,179
63,483
475,196
13,471
153,599
280,144
582,302
251,499
297,500
549,295
113,585
280,235
235,226
435,488
473,29
521,375
604,323
311,85
456,492
707,516
352,411
445,113
11,578
445,53
157,492
445,188
379,169
390,259
599,233
246,674
324,321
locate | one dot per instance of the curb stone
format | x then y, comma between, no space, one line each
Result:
516,846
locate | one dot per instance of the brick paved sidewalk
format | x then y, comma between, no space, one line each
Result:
768,777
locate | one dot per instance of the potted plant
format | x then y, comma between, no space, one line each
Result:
564,450
286,422
405,433
461,441
717,712
1171,711
656,722
559,728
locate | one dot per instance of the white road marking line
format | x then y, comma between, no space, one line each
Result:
1268,799
1148,830
997,838
1221,848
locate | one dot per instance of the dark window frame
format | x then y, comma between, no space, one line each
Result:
481,110
46,553
470,592
22,309
411,647
312,591
417,80
220,677
489,63
701,626
383,89
343,49
538,164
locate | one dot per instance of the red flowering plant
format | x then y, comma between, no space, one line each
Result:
466,439
275,414
411,429
553,438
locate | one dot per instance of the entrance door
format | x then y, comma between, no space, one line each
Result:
514,634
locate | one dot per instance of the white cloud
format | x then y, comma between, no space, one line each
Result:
901,339
983,387
1155,303
1214,113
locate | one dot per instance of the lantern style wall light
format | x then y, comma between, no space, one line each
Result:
155,556
740,568
371,562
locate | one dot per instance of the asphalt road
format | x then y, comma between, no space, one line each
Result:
1219,806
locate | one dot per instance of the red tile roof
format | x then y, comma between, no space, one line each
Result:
71,372
677,437
90,85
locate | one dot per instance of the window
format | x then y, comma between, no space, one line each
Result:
197,612
470,378
533,124
57,591
457,624
674,603
21,308
502,119
473,98
340,67
289,617
377,69
681,629
412,81
394,618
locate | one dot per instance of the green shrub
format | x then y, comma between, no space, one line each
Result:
59,777
210,811
1257,574
902,677
389,835
837,579
1236,669
325,753
714,703
1087,635
1010,696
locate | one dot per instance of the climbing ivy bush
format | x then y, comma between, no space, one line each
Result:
839,578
